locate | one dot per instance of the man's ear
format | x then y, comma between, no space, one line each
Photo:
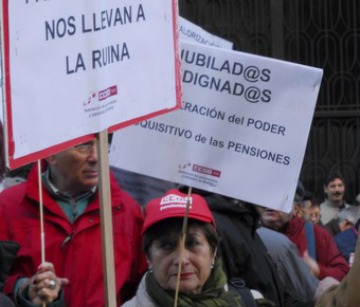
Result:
51,160
325,189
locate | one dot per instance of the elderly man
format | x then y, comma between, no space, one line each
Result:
346,219
73,233
329,262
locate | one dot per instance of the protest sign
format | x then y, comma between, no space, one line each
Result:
144,188
191,32
72,69
241,132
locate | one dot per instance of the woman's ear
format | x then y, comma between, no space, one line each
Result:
214,257
148,260
150,268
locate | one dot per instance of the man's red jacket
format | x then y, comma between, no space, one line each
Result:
330,260
74,249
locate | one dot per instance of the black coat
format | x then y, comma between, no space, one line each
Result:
5,301
243,252
8,252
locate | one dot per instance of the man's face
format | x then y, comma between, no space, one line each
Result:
304,211
315,214
273,219
335,191
75,170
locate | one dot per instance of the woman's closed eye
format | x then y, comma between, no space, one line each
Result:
191,242
167,244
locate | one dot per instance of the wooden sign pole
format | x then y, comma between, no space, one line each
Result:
106,218
182,246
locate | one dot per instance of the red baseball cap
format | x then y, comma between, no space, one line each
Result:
173,204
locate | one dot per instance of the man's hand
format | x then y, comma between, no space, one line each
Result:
44,286
313,265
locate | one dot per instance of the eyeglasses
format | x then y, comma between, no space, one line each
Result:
85,148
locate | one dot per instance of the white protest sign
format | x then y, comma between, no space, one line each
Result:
76,68
144,188
241,132
191,32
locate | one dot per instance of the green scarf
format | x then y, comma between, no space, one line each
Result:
213,293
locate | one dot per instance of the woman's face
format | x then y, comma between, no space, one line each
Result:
196,264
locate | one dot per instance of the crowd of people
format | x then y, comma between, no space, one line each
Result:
229,253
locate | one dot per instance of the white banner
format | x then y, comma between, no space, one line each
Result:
241,132
144,188
77,68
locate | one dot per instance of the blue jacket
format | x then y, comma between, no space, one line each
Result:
346,241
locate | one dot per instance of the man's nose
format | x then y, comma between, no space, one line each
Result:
92,155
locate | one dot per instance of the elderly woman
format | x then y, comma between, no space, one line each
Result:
202,281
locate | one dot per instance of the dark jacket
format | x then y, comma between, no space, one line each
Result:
333,227
244,254
8,251
5,301
346,242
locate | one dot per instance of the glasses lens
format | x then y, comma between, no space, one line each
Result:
85,147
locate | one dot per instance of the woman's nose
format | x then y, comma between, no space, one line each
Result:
182,256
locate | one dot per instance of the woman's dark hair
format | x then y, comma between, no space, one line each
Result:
166,226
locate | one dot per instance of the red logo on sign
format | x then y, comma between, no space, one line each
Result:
91,97
205,170
110,91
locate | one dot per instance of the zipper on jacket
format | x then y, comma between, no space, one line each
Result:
68,238
74,208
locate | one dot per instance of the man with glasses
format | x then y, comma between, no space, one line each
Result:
72,233
309,208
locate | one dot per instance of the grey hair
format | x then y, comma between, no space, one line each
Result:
350,214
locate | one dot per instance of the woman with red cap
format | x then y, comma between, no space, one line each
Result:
201,281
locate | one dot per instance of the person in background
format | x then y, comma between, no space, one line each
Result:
328,262
202,281
357,200
299,284
334,188
243,253
347,292
346,219
346,242
73,246
309,208
315,214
